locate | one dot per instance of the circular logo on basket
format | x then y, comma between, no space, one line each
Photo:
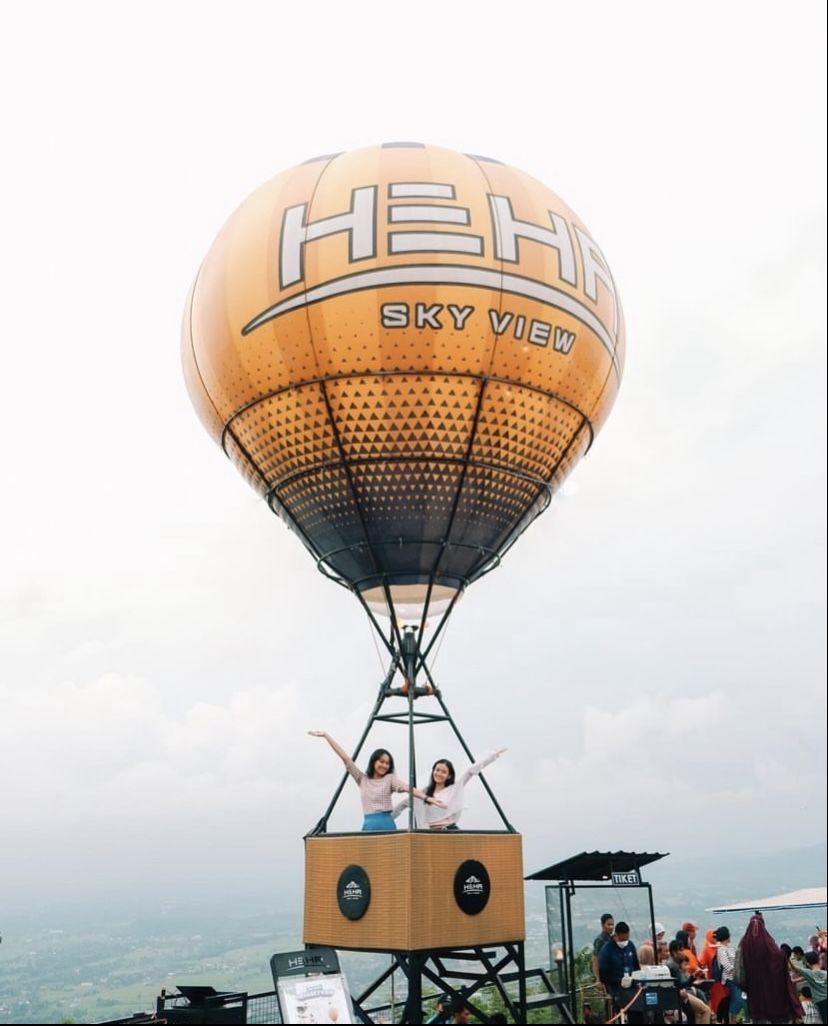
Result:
353,892
472,887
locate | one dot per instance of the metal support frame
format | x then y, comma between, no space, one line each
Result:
479,967
489,966
409,661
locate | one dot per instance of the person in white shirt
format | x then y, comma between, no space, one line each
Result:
445,788
727,960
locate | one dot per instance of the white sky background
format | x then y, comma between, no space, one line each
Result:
653,651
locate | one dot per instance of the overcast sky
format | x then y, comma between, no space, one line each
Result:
652,653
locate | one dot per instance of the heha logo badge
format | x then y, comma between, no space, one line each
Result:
488,258
353,892
472,887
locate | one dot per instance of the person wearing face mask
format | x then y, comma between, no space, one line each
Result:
618,959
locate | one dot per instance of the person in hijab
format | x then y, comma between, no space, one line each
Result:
718,992
771,994
646,954
691,930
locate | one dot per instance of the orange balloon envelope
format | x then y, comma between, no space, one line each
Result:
405,350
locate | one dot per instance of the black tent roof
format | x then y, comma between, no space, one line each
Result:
596,865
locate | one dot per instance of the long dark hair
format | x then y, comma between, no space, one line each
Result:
449,779
373,761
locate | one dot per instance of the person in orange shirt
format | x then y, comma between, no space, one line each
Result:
691,930
683,937
718,991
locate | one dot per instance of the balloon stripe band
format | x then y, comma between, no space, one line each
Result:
442,274
501,468
431,374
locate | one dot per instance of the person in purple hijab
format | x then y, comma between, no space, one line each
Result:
771,994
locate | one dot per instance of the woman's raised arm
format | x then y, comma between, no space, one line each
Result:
340,751
476,767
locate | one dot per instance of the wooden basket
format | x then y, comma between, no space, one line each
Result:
412,878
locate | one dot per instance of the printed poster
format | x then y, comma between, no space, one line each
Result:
315,999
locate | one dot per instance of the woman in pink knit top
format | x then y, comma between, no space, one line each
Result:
376,785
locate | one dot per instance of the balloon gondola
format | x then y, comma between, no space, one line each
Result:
405,350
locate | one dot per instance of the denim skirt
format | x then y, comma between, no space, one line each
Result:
378,821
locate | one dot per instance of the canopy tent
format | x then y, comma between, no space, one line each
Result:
808,897
596,865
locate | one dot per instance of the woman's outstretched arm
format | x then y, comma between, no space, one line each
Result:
350,765
476,767
340,751
423,796
401,807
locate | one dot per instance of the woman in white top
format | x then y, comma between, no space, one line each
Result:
376,785
445,794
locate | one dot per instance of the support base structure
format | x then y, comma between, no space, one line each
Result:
459,973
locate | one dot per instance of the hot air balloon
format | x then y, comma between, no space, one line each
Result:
405,350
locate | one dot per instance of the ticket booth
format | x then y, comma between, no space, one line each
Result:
594,873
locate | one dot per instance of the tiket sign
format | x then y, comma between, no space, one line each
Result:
446,228
628,879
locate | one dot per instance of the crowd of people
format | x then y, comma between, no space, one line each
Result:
715,979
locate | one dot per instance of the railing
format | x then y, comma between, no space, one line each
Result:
263,1008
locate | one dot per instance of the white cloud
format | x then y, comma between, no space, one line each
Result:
111,747
646,749
164,643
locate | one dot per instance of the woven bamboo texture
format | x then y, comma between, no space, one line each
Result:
412,904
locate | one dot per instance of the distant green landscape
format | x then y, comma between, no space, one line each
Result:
89,967
103,971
